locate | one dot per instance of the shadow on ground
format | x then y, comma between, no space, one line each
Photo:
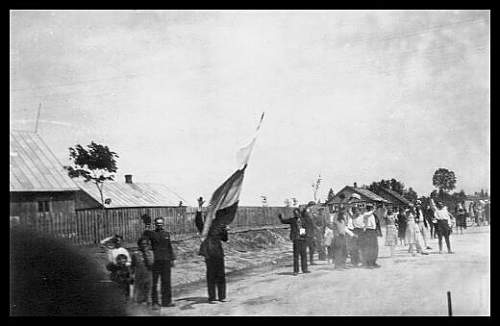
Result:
192,301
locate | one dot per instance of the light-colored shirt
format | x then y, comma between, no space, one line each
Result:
341,227
358,221
441,214
369,220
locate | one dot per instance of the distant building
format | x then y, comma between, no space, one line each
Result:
365,195
396,199
126,194
38,181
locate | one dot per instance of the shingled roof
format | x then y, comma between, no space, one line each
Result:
135,194
33,166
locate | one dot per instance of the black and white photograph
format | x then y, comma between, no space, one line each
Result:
249,163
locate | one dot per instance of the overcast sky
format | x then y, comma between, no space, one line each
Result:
353,95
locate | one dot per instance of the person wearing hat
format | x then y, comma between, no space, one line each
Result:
298,233
356,224
444,221
113,247
162,263
369,241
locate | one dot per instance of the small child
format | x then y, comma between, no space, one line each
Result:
142,265
121,274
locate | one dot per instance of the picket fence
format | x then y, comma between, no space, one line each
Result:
88,227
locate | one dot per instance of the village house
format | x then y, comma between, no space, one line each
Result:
366,196
38,181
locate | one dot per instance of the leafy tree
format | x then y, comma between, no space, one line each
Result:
392,184
411,194
331,194
397,186
96,163
444,180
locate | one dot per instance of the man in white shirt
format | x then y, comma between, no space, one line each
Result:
369,242
444,221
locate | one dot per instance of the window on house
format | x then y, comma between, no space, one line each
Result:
44,206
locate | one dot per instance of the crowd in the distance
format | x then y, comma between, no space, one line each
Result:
351,231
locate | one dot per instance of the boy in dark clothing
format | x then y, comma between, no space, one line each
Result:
163,262
121,274
142,265
298,234
211,249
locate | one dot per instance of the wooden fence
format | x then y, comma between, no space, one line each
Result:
88,227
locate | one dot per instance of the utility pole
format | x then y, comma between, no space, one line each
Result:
38,117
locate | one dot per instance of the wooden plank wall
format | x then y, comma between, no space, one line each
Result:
88,227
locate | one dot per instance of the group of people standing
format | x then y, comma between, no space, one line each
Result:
146,268
352,231
149,267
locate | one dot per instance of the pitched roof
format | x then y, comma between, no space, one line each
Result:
132,194
33,166
367,193
361,191
395,195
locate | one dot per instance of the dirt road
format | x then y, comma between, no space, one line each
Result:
404,285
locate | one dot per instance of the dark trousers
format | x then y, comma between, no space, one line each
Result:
431,227
339,247
369,247
354,246
311,246
299,249
161,270
444,231
216,277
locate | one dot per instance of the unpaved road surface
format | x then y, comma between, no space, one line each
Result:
404,285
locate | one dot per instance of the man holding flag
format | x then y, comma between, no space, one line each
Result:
220,213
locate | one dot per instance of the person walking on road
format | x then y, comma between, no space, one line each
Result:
401,221
444,221
298,235
142,265
163,262
413,236
356,225
391,236
423,226
311,234
211,249
461,214
369,240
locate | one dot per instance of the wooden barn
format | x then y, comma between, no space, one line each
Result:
38,181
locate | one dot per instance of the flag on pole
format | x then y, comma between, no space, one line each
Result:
224,202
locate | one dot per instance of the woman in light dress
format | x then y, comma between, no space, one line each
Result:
391,235
413,236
